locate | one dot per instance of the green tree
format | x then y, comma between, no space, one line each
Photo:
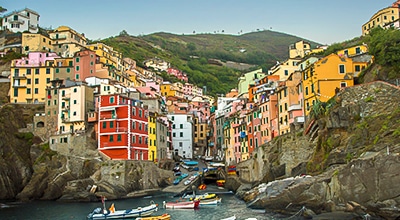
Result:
384,45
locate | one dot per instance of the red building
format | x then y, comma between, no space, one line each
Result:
122,128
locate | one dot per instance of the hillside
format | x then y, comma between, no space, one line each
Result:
261,49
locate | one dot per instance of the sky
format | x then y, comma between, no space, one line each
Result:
321,21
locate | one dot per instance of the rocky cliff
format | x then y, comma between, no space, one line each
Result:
32,170
346,160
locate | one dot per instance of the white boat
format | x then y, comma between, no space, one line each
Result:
230,218
100,213
210,202
182,205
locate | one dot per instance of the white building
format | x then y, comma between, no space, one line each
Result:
182,134
20,21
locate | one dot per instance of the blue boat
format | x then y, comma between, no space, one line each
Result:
191,163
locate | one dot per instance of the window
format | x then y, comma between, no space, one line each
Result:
77,60
173,126
173,134
75,102
341,69
343,84
119,138
28,71
74,113
47,70
37,81
357,68
181,126
68,70
306,90
28,91
104,124
358,50
111,99
180,134
57,70
28,81
47,80
111,138
70,63
111,124
36,71
77,76
286,72
77,68
133,139
36,91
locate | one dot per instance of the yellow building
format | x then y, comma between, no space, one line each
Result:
299,49
66,41
152,136
29,77
381,18
167,89
284,69
322,78
36,43
108,55
352,51
283,107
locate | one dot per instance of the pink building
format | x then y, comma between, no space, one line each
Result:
35,59
178,74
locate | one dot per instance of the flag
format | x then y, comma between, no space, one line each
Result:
112,208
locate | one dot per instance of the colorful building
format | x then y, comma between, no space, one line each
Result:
299,49
20,21
36,42
382,18
182,134
66,41
122,129
29,77
323,78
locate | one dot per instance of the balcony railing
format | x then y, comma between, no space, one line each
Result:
19,85
295,107
19,76
299,119
18,21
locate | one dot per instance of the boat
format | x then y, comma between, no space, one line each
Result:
165,216
202,186
180,178
220,183
182,205
210,202
111,213
204,196
230,218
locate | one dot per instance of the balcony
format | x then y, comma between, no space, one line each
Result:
66,97
19,76
17,85
299,119
58,37
105,116
65,109
17,21
295,107
33,27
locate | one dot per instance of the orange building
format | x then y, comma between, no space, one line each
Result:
122,128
